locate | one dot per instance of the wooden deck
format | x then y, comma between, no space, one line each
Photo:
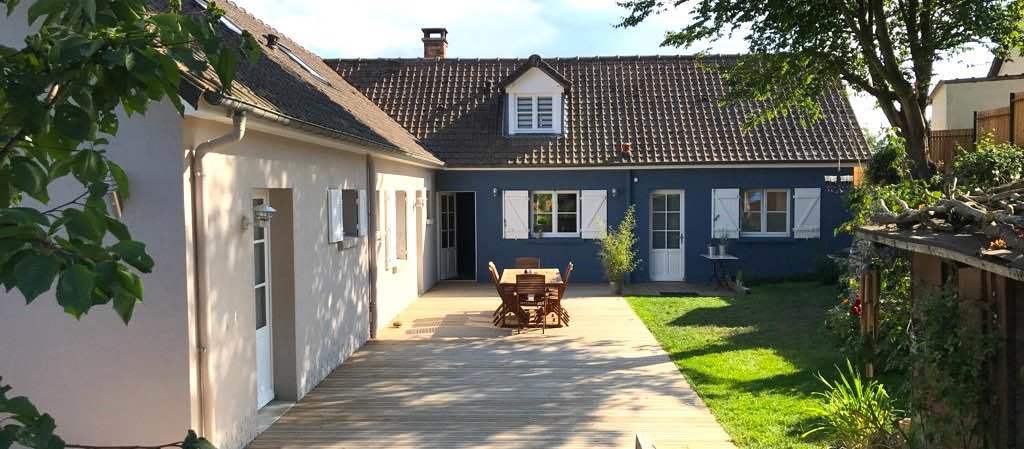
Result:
448,379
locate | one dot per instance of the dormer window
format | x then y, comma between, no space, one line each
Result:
535,113
535,95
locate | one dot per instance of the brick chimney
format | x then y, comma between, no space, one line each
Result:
435,43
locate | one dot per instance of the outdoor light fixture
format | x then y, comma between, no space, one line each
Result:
263,213
635,179
494,192
614,192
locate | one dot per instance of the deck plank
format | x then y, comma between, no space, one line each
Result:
448,379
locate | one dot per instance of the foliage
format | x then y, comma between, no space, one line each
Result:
890,350
953,343
618,253
888,164
886,49
857,414
60,99
751,359
862,200
990,164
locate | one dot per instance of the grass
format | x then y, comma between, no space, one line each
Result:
752,358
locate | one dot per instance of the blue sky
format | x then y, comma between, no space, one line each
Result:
508,28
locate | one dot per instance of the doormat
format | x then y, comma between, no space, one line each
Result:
684,294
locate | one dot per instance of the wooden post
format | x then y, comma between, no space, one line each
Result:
870,291
974,133
1013,114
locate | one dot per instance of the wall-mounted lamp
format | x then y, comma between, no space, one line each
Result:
636,180
263,213
615,192
494,192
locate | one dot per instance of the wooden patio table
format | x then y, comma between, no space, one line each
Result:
552,278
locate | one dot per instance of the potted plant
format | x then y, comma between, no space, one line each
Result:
617,253
712,248
723,243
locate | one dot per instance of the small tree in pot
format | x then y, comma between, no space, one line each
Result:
617,253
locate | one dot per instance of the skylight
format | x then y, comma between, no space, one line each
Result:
224,20
298,61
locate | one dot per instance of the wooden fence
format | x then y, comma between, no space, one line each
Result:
946,144
1005,125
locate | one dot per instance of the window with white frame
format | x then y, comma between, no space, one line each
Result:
556,213
534,113
764,212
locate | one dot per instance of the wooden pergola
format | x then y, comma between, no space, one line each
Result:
995,278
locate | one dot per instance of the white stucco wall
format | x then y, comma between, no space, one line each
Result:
105,382
331,284
1012,66
398,288
953,104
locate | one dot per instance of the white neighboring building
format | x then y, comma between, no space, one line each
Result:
236,315
975,94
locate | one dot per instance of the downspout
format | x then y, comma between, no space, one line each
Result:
371,240
199,266
629,201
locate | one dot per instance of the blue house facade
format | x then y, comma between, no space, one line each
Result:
759,256
543,156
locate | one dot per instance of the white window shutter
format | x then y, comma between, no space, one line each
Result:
725,213
807,213
516,214
363,219
336,222
593,213
390,240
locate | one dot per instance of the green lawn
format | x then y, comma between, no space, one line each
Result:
752,358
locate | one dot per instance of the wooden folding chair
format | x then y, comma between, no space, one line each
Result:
533,287
553,299
527,262
509,302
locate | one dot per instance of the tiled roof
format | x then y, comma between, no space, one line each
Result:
280,85
666,107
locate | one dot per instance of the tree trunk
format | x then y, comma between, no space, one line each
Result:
915,131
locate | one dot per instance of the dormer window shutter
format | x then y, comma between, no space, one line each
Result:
545,112
524,112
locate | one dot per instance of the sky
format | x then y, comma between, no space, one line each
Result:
512,28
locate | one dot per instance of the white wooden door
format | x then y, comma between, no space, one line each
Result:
667,237
449,265
261,290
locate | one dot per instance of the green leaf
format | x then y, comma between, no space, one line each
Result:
118,229
82,225
74,289
120,179
44,8
88,166
124,304
72,122
134,253
34,274
28,176
19,406
89,8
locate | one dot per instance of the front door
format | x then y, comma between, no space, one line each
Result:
264,347
667,239
449,253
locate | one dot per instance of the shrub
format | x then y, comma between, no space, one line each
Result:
989,165
888,164
855,414
617,253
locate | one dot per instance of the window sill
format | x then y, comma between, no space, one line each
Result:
348,243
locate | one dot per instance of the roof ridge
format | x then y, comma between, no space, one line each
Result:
556,58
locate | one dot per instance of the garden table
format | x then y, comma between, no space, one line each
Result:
719,274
